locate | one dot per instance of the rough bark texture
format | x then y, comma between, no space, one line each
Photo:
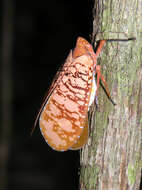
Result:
112,159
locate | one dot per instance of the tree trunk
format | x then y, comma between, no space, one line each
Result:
112,159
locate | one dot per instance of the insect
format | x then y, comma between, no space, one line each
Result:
63,117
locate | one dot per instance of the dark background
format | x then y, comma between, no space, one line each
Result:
43,32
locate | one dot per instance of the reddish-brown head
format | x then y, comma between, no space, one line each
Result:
82,47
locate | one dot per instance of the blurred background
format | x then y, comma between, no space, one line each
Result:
36,37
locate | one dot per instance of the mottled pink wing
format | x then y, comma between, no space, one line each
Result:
53,85
63,117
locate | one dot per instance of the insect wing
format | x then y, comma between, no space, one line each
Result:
54,83
63,118
83,138
85,134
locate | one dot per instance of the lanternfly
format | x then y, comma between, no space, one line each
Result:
63,117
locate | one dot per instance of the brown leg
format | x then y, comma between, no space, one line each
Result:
100,46
100,76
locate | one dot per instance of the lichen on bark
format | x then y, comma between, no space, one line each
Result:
112,159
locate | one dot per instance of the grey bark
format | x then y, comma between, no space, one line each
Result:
112,159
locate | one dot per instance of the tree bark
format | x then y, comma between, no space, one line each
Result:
112,159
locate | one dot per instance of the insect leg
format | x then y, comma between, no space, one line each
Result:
100,76
100,46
